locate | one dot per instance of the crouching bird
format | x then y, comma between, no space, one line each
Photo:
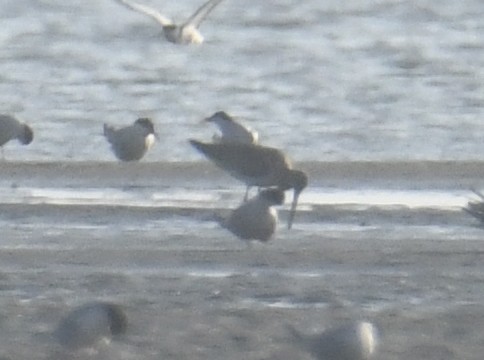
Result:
353,341
255,219
131,143
89,324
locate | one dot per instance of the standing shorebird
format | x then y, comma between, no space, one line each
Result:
11,128
256,165
255,219
186,33
131,143
356,341
232,131
87,325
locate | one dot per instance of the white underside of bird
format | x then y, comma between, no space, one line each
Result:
256,219
184,33
90,325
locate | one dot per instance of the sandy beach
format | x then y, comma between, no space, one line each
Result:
438,174
142,235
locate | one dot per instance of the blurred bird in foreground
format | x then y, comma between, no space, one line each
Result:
355,341
132,142
90,324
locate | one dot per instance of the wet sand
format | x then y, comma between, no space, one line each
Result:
451,174
193,291
223,301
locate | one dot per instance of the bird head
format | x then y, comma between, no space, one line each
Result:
298,180
27,135
147,125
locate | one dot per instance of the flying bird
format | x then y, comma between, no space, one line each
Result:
256,165
89,324
185,33
132,142
11,128
231,130
255,219
354,341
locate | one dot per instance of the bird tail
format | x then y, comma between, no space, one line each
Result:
108,132
218,218
200,146
478,193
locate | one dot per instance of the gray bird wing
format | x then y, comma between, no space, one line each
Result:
240,159
201,13
143,9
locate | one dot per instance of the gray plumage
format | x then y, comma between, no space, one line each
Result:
255,219
132,142
256,165
89,324
476,207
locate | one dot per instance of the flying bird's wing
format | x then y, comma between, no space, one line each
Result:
202,13
143,9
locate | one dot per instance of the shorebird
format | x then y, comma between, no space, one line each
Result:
11,128
256,165
255,219
88,325
476,208
131,143
356,341
185,33
232,131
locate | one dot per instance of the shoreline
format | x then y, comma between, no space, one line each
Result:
390,174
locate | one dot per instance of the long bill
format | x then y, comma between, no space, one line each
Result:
292,213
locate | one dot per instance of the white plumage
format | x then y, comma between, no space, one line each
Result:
185,33
256,165
11,128
255,219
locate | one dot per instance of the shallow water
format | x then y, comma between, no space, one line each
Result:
386,80
380,102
